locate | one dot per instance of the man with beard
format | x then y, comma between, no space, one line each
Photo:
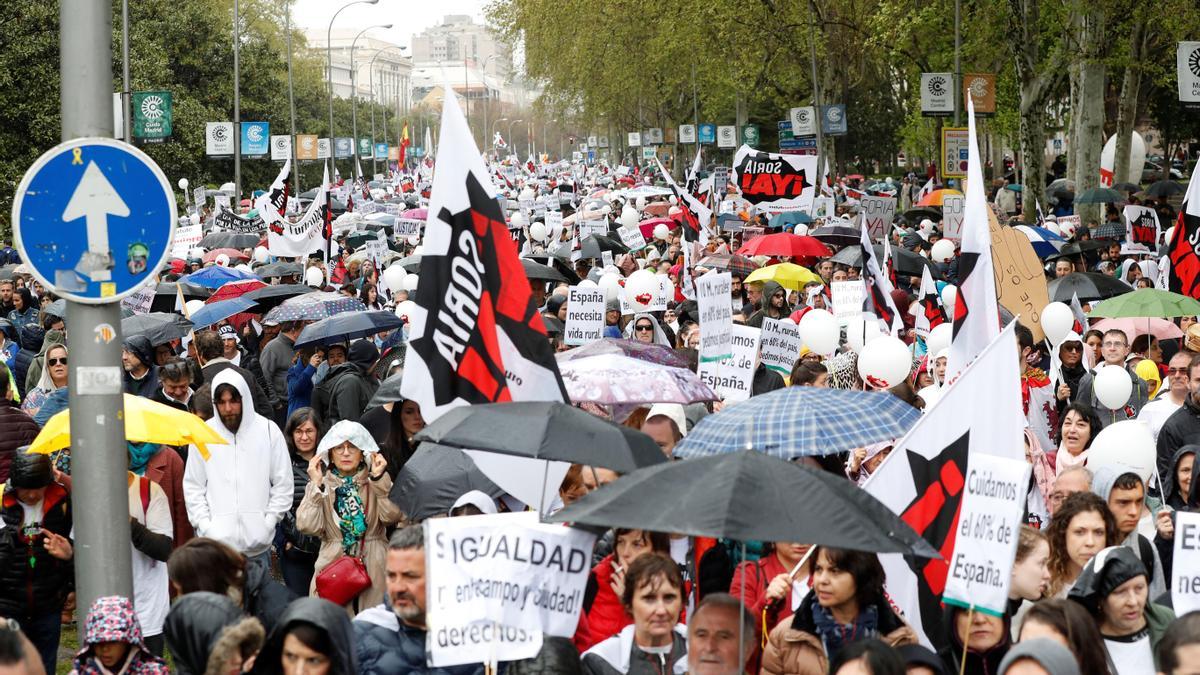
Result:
390,637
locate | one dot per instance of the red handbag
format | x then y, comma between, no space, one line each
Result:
342,580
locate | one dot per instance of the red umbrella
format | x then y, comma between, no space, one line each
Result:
785,245
234,289
657,209
647,226
232,253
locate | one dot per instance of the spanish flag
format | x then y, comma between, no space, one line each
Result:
404,142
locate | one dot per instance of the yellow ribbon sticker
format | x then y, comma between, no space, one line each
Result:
78,156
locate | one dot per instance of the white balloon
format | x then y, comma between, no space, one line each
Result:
1052,227
517,219
1125,446
222,260
800,230
939,338
244,268
1137,160
949,298
405,309
410,282
819,331
1057,321
393,276
641,203
1113,387
942,251
538,232
261,254
640,289
661,232
1168,234
314,277
859,332
1066,229
611,283
193,306
885,362
629,216
587,283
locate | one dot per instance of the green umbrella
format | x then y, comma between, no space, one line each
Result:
1099,196
1147,302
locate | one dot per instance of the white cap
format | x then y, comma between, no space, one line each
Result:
673,412
477,499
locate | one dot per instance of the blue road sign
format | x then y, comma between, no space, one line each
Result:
708,133
94,219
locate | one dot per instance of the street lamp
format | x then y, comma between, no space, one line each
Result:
329,57
511,141
487,95
354,99
545,148
371,69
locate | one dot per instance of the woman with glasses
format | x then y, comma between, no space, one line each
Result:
54,377
645,329
346,504
1070,353
298,551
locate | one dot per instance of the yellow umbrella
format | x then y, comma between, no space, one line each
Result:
146,421
789,275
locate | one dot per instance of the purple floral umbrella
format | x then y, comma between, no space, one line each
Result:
617,346
618,380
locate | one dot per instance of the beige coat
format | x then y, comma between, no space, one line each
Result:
793,648
315,516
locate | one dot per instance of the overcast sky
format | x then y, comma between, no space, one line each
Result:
407,16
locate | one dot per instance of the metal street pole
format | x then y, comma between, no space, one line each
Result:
371,84
512,142
100,496
958,104
812,47
354,95
126,87
237,110
291,101
329,60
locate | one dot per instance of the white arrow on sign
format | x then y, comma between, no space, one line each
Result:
95,199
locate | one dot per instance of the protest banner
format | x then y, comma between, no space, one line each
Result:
780,345
1020,282
847,299
186,238
1068,224
1141,227
585,315
953,209
990,519
589,227
878,213
495,584
408,227
732,378
1185,584
716,315
775,183
632,237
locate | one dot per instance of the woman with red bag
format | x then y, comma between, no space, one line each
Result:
346,504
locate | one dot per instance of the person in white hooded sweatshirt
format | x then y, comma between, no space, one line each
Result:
243,489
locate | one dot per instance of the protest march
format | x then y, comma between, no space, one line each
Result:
720,410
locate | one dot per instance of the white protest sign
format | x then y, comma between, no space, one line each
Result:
222,200
878,213
732,378
954,208
986,542
141,300
1069,224
376,249
632,237
780,345
186,238
554,223
606,258
824,207
550,202
408,227
666,293
585,315
496,583
588,227
713,291
847,299
1185,586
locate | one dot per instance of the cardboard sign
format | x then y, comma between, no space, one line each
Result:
1020,282
408,227
1185,581
1141,227
589,227
497,583
775,183
713,291
953,209
878,213
847,299
585,315
186,238
141,300
732,378
632,237
988,526
780,345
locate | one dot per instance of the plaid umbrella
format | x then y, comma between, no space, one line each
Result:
314,307
648,353
801,422
730,262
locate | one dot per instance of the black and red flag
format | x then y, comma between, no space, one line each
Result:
276,196
1184,274
878,297
930,312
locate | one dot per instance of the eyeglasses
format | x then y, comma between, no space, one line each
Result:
1076,347
344,449
1177,371
643,328
57,362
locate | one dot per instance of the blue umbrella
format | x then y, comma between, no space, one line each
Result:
221,309
789,218
216,276
1045,243
801,422
347,326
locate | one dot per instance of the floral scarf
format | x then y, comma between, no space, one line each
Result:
835,635
350,510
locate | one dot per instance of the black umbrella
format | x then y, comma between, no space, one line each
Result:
237,240
347,326
561,265
906,262
1099,196
1077,248
1088,286
594,244
434,478
158,327
538,272
748,495
357,240
165,295
279,269
1164,188
411,264
544,430
269,297
914,215
388,391
838,235
1126,187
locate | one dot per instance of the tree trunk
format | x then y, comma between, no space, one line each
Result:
1033,156
1036,80
1089,113
1072,107
1127,104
